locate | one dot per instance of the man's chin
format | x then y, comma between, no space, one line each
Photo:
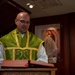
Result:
24,31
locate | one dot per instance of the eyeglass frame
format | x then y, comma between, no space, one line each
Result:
23,21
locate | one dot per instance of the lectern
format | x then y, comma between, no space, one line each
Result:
21,70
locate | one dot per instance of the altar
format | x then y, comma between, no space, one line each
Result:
26,67
28,71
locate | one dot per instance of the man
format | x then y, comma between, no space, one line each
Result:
20,44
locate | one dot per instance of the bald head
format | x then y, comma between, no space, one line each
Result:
22,14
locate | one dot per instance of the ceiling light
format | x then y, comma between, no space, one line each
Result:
28,3
31,6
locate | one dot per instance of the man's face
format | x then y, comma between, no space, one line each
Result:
23,23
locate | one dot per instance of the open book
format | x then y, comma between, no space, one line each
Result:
39,64
14,63
24,63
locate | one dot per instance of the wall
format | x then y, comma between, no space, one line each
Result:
72,44
67,37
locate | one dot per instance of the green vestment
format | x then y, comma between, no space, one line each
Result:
17,47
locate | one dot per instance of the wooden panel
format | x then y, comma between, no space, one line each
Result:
28,71
72,44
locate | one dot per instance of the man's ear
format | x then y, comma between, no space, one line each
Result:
16,21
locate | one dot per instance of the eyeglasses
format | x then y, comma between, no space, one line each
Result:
25,22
